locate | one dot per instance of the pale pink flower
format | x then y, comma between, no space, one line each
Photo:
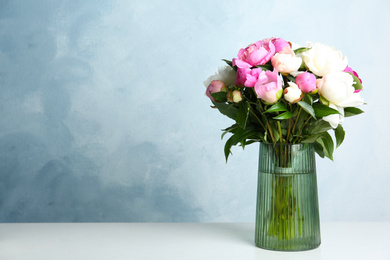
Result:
269,87
285,61
214,87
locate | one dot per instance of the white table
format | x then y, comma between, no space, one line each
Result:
184,241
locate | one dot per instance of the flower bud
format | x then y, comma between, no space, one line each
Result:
234,96
214,87
306,82
292,93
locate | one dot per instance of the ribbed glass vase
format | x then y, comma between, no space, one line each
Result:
287,213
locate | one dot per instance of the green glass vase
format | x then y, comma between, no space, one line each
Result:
287,213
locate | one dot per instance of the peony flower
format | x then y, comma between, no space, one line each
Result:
285,61
335,119
234,96
258,53
348,69
214,87
322,59
226,74
358,84
269,87
292,93
280,44
306,82
247,77
337,88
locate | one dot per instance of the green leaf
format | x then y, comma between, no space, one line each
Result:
275,133
310,138
320,126
264,67
228,62
226,109
322,110
243,113
220,96
295,112
231,129
276,108
302,49
326,142
290,78
285,115
319,149
339,134
352,111
308,108
239,136
251,134
227,148
309,99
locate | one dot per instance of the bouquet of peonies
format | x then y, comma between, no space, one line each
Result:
277,91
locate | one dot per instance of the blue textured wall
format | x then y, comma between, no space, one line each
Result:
103,115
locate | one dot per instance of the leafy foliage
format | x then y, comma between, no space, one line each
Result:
284,122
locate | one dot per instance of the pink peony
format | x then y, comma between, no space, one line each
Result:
258,53
348,69
269,87
247,77
214,87
280,44
306,82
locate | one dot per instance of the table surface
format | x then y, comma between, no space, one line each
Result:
184,241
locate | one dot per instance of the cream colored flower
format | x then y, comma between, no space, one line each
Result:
322,59
337,88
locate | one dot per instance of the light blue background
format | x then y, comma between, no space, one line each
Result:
103,115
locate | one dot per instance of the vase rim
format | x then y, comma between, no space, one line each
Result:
267,143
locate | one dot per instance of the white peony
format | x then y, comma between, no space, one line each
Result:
225,74
337,88
322,59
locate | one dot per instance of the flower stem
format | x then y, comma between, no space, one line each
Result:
296,121
270,132
288,130
280,132
300,130
268,125
258,119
